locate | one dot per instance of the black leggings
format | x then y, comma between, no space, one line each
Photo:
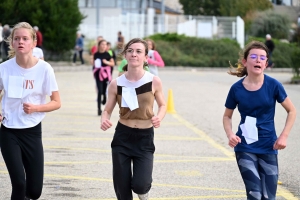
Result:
101,86
80,56
22,151
136,146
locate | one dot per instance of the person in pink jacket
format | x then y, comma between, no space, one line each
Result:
154,59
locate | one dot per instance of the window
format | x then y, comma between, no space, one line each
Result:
93,3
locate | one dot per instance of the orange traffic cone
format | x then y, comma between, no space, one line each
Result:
170,103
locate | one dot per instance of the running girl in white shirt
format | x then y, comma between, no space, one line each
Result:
26,81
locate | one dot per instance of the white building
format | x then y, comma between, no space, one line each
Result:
141,18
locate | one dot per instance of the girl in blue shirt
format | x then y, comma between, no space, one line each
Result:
256,143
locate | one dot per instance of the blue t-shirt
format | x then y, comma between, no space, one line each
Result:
261,105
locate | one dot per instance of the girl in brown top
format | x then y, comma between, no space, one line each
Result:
135,92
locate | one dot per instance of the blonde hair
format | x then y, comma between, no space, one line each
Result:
11,52
241,70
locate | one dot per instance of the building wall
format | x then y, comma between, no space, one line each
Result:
174,4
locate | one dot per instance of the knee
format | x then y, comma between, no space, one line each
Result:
19,185
141,187
254,195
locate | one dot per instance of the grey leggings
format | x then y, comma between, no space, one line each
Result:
259,173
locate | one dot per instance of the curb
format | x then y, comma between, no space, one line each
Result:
167,68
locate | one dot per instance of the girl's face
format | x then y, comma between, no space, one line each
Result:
135,55
103,46
22,41
150,47
256,61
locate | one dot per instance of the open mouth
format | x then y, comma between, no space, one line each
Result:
257,67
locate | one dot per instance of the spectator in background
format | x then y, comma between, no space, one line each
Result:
112,54
5,34
78,49
1,29
1,38
94,49
38,53
270,44
39,37
120,42
103,63
154,59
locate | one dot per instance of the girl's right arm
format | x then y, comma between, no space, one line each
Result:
110,104
227,124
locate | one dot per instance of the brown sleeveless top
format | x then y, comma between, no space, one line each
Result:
145,97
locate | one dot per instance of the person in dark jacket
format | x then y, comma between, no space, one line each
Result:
270,44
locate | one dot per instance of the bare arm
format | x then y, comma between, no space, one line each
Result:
290,119
227,124
159,97
0,102
111,62
92,59
54,104
110,104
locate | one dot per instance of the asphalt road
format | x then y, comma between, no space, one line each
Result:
192,158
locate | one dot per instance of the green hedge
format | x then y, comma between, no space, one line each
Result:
179,50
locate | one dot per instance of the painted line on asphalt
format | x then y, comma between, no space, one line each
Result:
203,135
155,184
77,130
281,191
190,197
171,138
80,149
199,159
192,173
110,162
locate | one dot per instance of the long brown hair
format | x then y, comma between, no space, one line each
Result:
133,41
11,52
99,43
241,70
153,43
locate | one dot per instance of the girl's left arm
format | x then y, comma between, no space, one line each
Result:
291,116
54,104
158,60
111,62
159,97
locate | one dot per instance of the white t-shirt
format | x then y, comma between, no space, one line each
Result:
152,68
25,86
37,52
1,30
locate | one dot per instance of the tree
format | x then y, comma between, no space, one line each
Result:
201,7
58,20
268,22
224,7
